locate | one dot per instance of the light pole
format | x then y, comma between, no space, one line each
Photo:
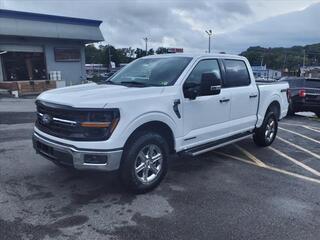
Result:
209,32
146,40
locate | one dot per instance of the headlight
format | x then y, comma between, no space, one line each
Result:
100,124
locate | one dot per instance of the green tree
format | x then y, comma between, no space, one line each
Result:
151,51
281,58
140,53
161,50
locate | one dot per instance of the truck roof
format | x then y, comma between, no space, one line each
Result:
199,55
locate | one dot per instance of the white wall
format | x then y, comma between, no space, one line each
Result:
72,72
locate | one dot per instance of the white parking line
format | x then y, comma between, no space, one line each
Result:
301,135
312,128
315,172
299,147
271,168
249,155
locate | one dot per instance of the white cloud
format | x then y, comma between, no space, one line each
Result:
181,23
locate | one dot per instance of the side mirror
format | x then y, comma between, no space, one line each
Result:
191,93
210,84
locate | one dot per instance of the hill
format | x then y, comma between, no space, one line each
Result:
280,58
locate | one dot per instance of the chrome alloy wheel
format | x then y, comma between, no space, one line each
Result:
270,130
148,163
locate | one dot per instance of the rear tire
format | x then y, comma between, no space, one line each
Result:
265,135
145,162
291,111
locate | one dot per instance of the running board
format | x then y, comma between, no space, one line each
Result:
216,144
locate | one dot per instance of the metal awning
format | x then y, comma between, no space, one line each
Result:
13,23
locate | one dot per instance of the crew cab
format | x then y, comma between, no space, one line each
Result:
154,107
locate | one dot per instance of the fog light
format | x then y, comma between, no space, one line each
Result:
95,159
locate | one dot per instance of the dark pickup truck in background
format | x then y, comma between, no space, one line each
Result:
304,95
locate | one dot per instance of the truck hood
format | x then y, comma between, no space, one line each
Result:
93,95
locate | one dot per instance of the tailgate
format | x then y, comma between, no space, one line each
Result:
312,91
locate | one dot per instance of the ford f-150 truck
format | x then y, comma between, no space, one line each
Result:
154,107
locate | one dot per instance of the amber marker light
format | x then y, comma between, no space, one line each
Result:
95,124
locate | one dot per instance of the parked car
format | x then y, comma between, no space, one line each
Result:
154,107
304,95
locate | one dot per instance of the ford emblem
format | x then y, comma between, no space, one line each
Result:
46,119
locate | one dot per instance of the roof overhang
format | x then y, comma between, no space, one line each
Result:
23,24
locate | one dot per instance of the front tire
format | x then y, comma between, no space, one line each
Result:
265,135
145,162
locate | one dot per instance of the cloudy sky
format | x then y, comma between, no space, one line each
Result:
237,24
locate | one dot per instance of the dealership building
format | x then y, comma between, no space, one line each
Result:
39,52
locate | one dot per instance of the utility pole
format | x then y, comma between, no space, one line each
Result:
209,32
109,57
146,40
304,57
262,56
284,61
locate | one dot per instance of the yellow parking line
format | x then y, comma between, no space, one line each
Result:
271,168
249,155
299,134
315,172
299,147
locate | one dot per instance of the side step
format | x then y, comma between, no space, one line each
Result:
215,144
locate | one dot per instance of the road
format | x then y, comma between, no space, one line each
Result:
236,192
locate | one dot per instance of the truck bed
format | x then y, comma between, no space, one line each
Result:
269,92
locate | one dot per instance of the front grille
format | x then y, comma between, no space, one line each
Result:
64,122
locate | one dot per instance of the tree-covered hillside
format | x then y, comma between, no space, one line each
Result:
282,58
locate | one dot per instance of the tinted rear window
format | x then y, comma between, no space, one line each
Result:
313,83
236,73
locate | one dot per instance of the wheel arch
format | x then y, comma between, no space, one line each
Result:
156,126
275,105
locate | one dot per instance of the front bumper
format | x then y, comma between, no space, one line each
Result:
82,159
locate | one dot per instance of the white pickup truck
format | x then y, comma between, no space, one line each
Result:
154,107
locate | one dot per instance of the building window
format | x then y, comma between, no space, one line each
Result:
22,66
67,54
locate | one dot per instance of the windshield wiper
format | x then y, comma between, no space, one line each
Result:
109,82
142,84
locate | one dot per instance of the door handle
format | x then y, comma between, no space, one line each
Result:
224,100
253,96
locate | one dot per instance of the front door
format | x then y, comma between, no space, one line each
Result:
205,118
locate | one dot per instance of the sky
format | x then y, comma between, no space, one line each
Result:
236,24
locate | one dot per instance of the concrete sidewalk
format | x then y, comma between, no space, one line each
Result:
17,105
17,110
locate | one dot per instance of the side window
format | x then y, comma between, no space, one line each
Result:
204,66
237,74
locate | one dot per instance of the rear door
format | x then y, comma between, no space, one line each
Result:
244,95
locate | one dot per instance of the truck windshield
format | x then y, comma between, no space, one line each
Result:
151,72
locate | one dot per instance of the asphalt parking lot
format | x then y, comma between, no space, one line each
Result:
236,192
